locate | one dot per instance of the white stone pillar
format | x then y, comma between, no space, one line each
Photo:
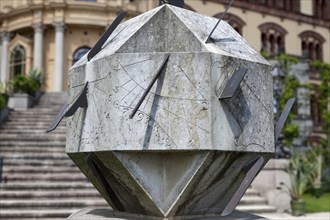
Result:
59,56
37,46
4,67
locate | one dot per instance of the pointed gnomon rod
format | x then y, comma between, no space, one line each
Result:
233,83
177,3
223,14
251,170
148,88
66,111
98,46
284,115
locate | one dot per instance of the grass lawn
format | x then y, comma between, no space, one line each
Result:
321,204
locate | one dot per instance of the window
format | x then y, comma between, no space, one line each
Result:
290,5
280,4
17,61
322,9
272,38
311,45
315,109
79,53
271,3
234,21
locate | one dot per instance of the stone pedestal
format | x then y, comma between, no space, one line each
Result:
20,100
109,214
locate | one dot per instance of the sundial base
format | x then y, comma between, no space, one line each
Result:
109,214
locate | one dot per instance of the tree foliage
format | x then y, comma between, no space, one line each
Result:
324,93
324,105
291,84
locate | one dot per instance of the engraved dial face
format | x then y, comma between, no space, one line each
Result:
181,110
174,113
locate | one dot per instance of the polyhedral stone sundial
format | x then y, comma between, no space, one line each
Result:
171,127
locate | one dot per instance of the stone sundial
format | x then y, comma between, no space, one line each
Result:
171,125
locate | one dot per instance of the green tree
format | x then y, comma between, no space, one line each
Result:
290,86
324,96
323,90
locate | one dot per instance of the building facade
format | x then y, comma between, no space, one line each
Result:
51,35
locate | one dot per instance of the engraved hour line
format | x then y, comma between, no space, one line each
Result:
163,108
153,120
168,97
158,106
89,82
182,118
167,109
102,91
191,82
114,37
135,98
145,105
184,112
93,107
133,81
156,121
108,76
263,105
220,67
204,99
75,115
129,92
141,61
125,83
129,75
151,93
147,90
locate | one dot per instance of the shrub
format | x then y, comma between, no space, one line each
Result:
3,101
37,76
301,172
24,84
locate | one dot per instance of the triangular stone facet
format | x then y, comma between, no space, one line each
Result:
164,32
163,176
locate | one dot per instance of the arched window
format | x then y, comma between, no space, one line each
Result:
311,45
272,38
234,21
17,61
79,53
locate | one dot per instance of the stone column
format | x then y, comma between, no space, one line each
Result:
38,45
59,56
4,67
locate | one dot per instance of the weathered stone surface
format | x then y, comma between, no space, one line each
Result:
20,101
184,152
108,214
169,183
182,111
